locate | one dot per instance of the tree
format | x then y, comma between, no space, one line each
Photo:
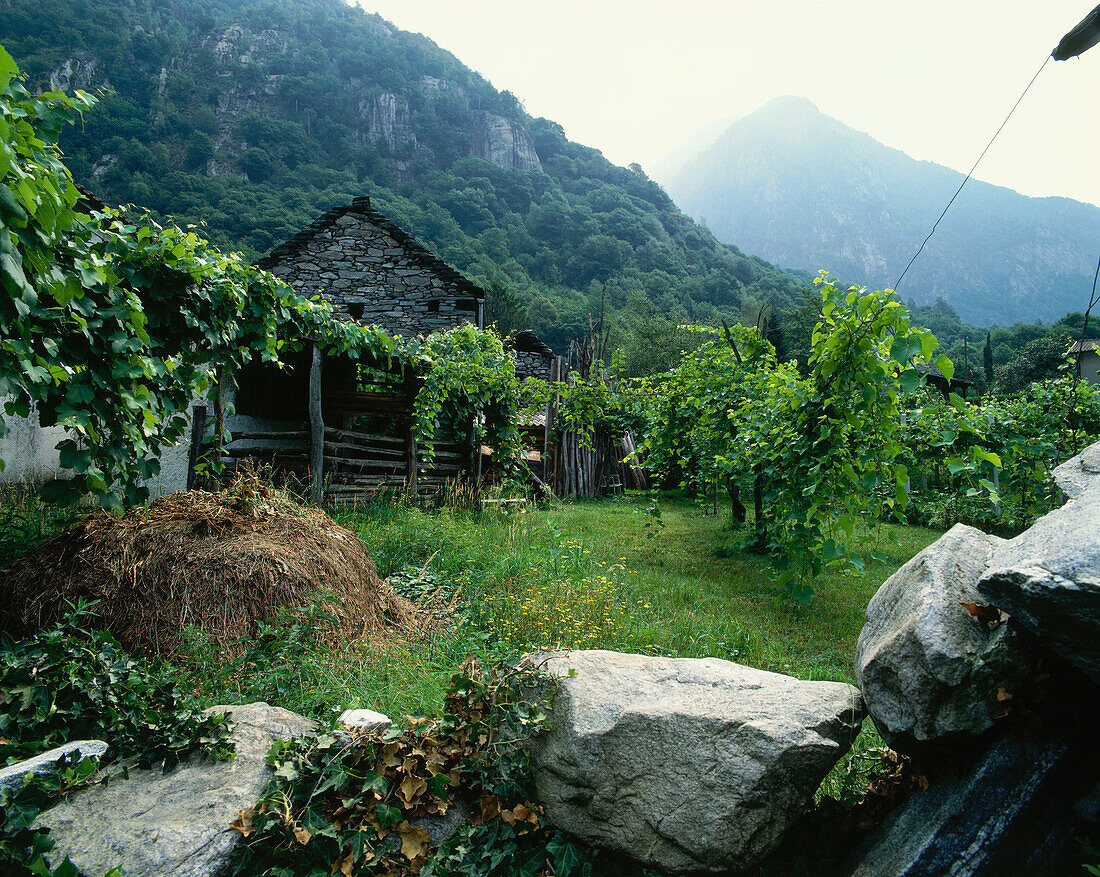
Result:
1040,359
818,453
257,164
505,309
987,361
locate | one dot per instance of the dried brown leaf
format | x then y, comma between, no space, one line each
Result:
243,822
414,840
490,809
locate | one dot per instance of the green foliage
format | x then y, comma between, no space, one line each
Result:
72,683
697,427
821,451
36,194
272,665
953,451
505,310
469,374
27,522
1040,359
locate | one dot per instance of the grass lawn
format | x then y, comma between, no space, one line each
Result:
599,574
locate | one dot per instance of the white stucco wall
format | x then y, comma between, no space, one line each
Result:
29,451
30,456
1090,366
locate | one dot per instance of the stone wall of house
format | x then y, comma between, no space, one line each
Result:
531,364
372,277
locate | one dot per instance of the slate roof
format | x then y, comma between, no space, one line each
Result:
1085,346
88,201
420,254
527,341
933,372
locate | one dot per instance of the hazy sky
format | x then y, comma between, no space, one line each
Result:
634,78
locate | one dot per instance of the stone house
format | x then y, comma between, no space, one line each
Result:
375,272
534,358
318,420
315,420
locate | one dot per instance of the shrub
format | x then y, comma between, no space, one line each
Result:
71,683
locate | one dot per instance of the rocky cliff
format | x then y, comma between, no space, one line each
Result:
244,58
504,142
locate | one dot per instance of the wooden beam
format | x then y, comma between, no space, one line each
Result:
299,435
317,432
198,430
413,463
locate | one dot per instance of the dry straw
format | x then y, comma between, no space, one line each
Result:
220,562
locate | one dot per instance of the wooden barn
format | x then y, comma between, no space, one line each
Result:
336,424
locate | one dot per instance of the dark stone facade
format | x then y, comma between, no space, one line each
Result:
376,273
534,358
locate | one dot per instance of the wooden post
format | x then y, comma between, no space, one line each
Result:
198,429
474,446
413,463
219,413
477,468
316,432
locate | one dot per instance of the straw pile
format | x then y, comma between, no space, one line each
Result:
220,562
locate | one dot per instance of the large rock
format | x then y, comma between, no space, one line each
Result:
156,824
685,764
1078,474
927,668
1048,579
14,775
1014,813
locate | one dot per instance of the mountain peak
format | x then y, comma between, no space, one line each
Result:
805,191
790,105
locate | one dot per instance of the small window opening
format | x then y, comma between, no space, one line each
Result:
355,310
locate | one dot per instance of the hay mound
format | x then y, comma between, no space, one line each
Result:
220,562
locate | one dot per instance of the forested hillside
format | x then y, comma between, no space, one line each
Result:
250,117
806,191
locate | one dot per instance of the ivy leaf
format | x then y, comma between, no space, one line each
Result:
387,815
414,840
567,858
